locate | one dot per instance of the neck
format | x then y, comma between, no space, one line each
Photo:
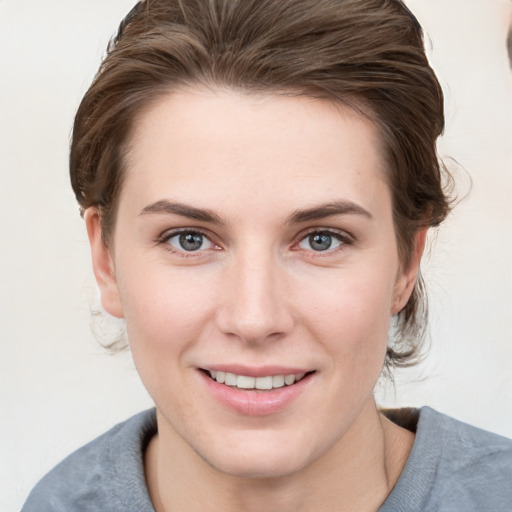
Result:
357,473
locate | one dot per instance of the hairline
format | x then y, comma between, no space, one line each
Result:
354,102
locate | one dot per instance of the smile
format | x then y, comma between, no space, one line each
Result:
256,391
261,383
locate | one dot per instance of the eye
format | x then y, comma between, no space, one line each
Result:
321,241
189,241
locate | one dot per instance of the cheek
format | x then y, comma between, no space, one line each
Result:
166,317
166,311
351,314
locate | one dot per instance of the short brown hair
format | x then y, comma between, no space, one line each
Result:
368,54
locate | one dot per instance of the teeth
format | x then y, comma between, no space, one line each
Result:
244,382
262,383
289,379
278,381
230,379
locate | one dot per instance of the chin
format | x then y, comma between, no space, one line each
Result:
259,469
260,458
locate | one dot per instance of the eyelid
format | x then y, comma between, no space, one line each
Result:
164,238
344,236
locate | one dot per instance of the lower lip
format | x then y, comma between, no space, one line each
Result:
256,402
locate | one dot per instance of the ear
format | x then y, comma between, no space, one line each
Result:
103,265
407,277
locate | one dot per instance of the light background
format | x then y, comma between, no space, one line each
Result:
58,389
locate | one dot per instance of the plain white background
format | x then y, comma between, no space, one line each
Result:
59,389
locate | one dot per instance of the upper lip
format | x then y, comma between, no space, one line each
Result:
257,371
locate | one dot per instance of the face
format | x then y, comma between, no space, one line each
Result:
255,262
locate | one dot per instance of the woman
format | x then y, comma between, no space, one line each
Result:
257,179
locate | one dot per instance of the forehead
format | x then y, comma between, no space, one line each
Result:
204,144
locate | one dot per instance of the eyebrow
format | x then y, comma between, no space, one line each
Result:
205,215
327,210
167,207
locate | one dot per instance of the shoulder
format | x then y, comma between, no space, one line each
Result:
464,449
105,474
454,466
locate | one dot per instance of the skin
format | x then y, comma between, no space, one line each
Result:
257,293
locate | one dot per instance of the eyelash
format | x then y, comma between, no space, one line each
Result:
168,235
344,239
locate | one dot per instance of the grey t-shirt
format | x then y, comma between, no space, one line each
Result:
453,467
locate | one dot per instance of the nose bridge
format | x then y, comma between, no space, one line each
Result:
255,308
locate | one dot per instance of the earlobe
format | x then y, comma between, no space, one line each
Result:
103,265
407,278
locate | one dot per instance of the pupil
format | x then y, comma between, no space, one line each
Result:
191,241
320,242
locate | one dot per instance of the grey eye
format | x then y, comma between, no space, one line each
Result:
320,241
190,241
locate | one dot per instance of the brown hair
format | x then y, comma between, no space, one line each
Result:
368,54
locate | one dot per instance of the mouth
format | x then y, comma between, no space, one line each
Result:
256,391
262,383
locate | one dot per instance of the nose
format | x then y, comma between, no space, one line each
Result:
255,305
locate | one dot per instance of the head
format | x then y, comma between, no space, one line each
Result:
222,145
366,54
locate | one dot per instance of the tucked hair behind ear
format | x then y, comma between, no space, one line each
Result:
367,54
